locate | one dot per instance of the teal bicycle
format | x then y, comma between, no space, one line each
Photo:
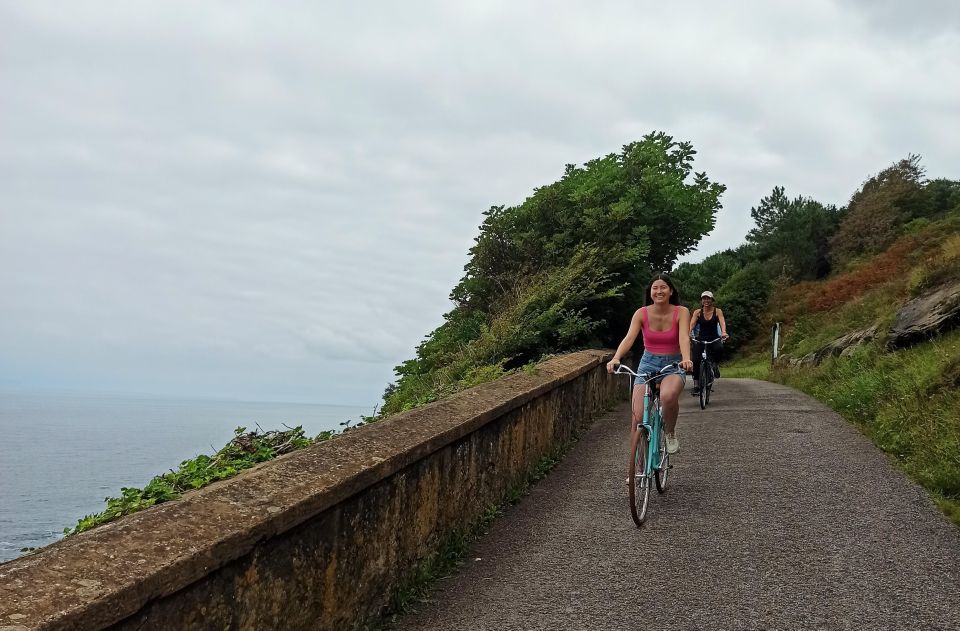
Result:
649,460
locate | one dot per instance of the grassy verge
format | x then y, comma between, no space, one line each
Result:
755,367
907,402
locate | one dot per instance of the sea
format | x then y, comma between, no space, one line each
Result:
62,455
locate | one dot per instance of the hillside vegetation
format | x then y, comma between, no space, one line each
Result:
566,268
907,400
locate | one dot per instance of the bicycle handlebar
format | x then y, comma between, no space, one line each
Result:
623,369
697,339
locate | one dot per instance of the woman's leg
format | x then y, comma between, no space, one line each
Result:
637,406
696,350
670,389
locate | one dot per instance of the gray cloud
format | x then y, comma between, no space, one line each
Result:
237,200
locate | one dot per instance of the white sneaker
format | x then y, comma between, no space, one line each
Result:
673,444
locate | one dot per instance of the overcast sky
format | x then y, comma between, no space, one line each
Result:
272,201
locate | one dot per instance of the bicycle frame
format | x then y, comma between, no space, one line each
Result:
652,420
652,423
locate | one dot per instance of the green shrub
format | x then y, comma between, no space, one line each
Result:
242,452
755,367
743,297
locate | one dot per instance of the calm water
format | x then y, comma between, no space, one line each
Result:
61,455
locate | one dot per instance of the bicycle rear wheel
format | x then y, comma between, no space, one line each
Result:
639,480
661,474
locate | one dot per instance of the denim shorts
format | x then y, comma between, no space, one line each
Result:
652,363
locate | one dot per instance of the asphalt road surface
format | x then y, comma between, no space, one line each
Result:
779,515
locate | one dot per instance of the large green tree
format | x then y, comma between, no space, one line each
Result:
793,235
743,298
944,196
710,274
563,269
644,206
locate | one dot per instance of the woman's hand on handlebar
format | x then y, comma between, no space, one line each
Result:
612,365
686,365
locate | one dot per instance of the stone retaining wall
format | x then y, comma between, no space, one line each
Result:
317,539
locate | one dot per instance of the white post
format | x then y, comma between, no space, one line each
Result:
776,341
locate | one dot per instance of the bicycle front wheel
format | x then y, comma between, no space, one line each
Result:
709,385
639,480
704,384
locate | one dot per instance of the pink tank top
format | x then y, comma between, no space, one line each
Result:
662,342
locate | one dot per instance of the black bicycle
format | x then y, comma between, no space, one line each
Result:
707,371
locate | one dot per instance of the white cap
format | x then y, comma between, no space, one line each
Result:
707,294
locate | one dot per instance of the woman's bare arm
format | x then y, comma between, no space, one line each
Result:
723,323
636,323
684,325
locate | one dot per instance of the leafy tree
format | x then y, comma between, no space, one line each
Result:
637,205
790,240
793,235
711,273
944,196
563,269
880,208
743,297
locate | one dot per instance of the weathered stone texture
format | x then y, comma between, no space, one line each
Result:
918,320
926,317
841,346
317,539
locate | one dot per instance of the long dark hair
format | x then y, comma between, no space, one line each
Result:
674,294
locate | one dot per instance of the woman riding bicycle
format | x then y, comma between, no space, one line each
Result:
666,340
706,324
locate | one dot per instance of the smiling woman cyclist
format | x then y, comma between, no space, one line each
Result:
706,323
666,340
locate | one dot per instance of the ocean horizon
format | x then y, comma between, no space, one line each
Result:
63,453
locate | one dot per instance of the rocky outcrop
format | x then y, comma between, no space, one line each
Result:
842,346
918,320
926,317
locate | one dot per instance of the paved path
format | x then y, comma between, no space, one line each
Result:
780,515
